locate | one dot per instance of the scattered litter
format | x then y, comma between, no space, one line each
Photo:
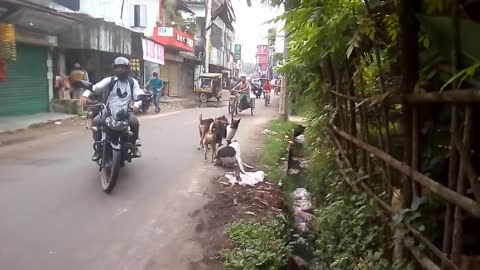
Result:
268,132
283,159
81,124
302,205
248,178
58,123
235,201
293,171
301,194
84,117
300,139
298,263
304,164
304,215
251,213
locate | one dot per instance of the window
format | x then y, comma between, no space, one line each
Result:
70,4
138,16
216,36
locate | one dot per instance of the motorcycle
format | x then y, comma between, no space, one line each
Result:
116,145
147,100
257,90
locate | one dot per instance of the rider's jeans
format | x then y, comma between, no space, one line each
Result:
132,121
156,100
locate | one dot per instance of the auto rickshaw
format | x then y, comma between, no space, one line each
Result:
210,86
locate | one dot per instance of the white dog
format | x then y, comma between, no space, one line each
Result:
230,155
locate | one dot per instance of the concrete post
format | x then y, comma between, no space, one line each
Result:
208,20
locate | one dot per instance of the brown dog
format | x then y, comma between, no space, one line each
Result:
204,126
210,139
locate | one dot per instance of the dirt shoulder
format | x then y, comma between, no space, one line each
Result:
233,203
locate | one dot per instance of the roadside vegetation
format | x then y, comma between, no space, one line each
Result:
275,148
258,245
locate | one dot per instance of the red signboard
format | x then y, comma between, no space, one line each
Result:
173,38
262,49
262,59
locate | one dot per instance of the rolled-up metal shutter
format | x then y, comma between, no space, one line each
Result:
25,89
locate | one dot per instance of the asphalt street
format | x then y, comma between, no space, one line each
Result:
54,215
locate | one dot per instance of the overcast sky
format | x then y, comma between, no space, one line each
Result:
250,27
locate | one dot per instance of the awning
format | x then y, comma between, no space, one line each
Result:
187,55
35,17
96,34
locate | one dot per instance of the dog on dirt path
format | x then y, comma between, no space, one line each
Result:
204,126
211,138
231,130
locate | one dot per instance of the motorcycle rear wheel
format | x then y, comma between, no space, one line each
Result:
111,169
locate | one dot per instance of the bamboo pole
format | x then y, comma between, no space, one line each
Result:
417,234
452,182
466,96
416,151
353,116
385,115
453,178
467,166
364,126
465,203
457,238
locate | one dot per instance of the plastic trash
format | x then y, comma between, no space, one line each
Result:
304,205
301,194
268,132
300,139
248,178
293,171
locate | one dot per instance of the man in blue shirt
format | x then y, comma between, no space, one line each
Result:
156,84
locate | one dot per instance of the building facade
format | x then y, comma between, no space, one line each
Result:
30,32
262,59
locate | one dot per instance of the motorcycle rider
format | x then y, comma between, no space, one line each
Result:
121,90
244,88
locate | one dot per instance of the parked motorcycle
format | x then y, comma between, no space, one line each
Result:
116,145
147,100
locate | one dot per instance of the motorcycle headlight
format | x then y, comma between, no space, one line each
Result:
121,126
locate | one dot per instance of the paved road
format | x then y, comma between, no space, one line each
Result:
53,214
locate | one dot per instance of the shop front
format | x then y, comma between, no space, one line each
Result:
178,70
153,58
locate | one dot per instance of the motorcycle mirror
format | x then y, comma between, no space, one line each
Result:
86,84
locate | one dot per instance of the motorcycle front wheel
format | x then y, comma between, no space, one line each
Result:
111,168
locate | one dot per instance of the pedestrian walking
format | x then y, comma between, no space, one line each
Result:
156,84
76,76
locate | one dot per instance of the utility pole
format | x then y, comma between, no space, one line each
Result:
208,21
284,100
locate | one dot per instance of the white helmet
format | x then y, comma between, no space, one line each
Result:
121,61
243,75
